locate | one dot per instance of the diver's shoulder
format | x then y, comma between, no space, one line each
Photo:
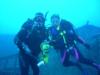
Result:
28,23
64,21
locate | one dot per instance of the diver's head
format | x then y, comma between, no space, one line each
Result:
39,19
55,20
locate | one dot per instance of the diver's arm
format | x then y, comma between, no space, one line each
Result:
18,40
21,37
50,38
80,40
23,34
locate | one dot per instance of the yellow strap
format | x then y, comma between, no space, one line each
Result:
62,34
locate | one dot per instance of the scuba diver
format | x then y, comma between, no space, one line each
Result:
28,40
64,39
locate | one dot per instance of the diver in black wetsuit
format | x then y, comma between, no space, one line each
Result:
31,35
64,38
